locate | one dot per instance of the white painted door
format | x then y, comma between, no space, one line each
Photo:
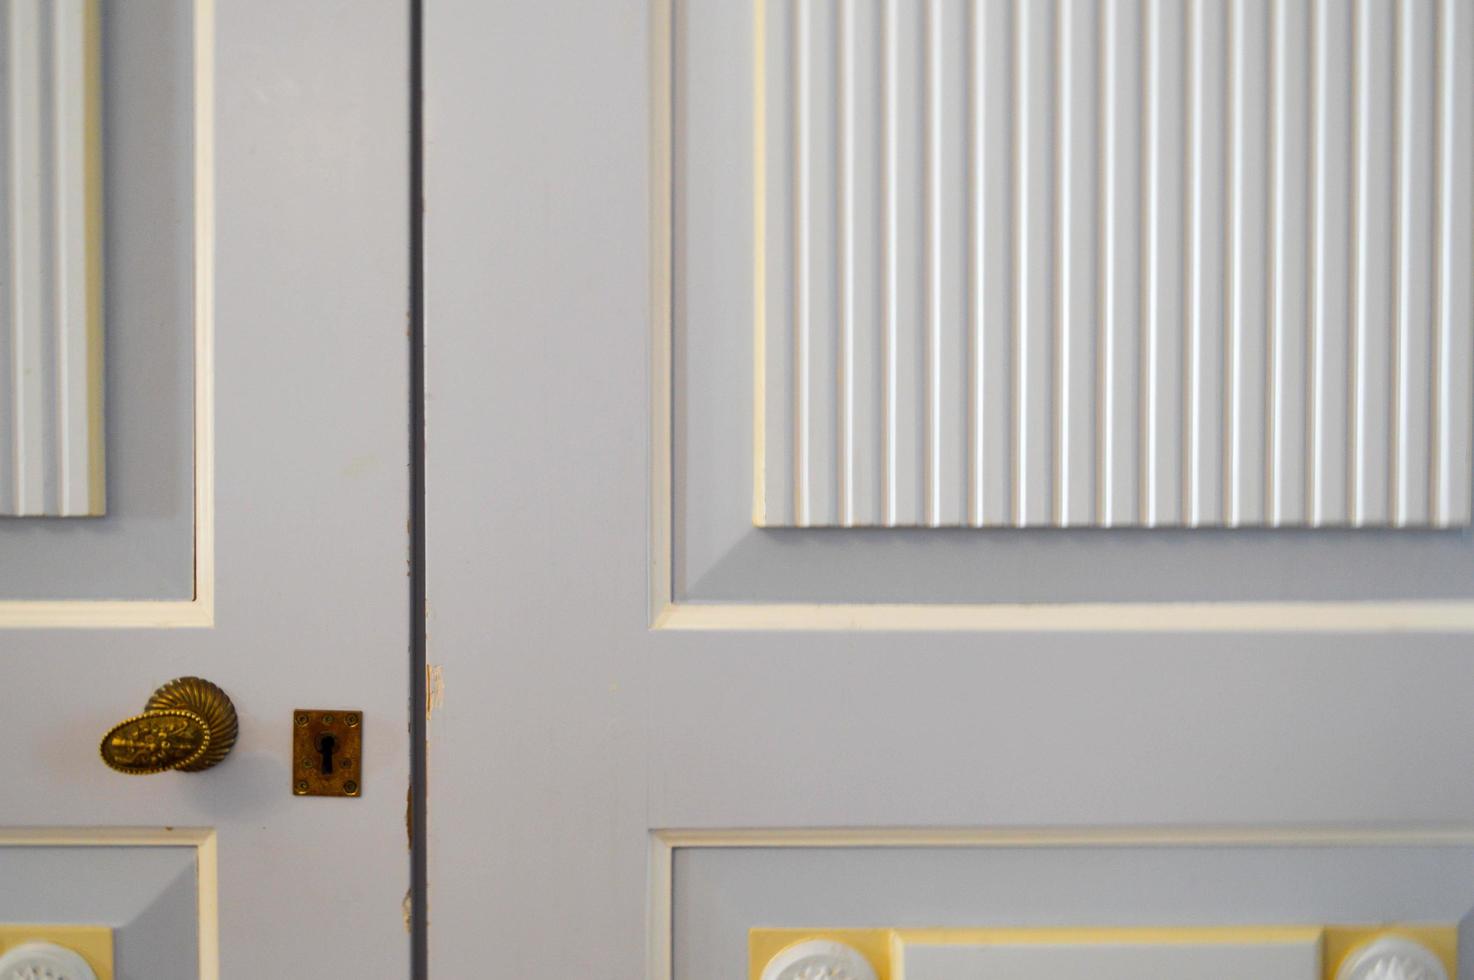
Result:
982,487
207,208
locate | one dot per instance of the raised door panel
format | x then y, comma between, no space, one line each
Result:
785,679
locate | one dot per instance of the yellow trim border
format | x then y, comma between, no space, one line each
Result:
201,839
885,948
1339,940
198,611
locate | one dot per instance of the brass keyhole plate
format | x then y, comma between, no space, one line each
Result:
310,727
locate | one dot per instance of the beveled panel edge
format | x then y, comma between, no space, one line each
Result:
207,865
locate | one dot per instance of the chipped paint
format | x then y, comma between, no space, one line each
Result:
434,689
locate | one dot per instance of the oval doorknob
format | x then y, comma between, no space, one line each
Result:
188,724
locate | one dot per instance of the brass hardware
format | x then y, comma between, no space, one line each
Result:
326,752
188,724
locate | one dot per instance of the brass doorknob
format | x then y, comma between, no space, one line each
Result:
189,724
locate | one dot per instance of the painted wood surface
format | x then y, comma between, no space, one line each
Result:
51,345
311,607
1133,264
571,735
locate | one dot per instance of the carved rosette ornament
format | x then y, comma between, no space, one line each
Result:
1392,958
818,959
44,961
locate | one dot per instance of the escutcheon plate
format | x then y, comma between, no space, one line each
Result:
327,752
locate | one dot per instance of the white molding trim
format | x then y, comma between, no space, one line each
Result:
664,844
201,839
1067,617
198,611
666,613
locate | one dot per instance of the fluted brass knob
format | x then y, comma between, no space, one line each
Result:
189,724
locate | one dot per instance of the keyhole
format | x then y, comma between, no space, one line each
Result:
326,745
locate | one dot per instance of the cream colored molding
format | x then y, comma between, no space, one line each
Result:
1156,330
1006,837
201,839
661,216
198,611
1339,941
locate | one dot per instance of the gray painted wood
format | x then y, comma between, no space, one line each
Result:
569,729
311,367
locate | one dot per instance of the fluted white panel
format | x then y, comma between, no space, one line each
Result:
51,456
1140,263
